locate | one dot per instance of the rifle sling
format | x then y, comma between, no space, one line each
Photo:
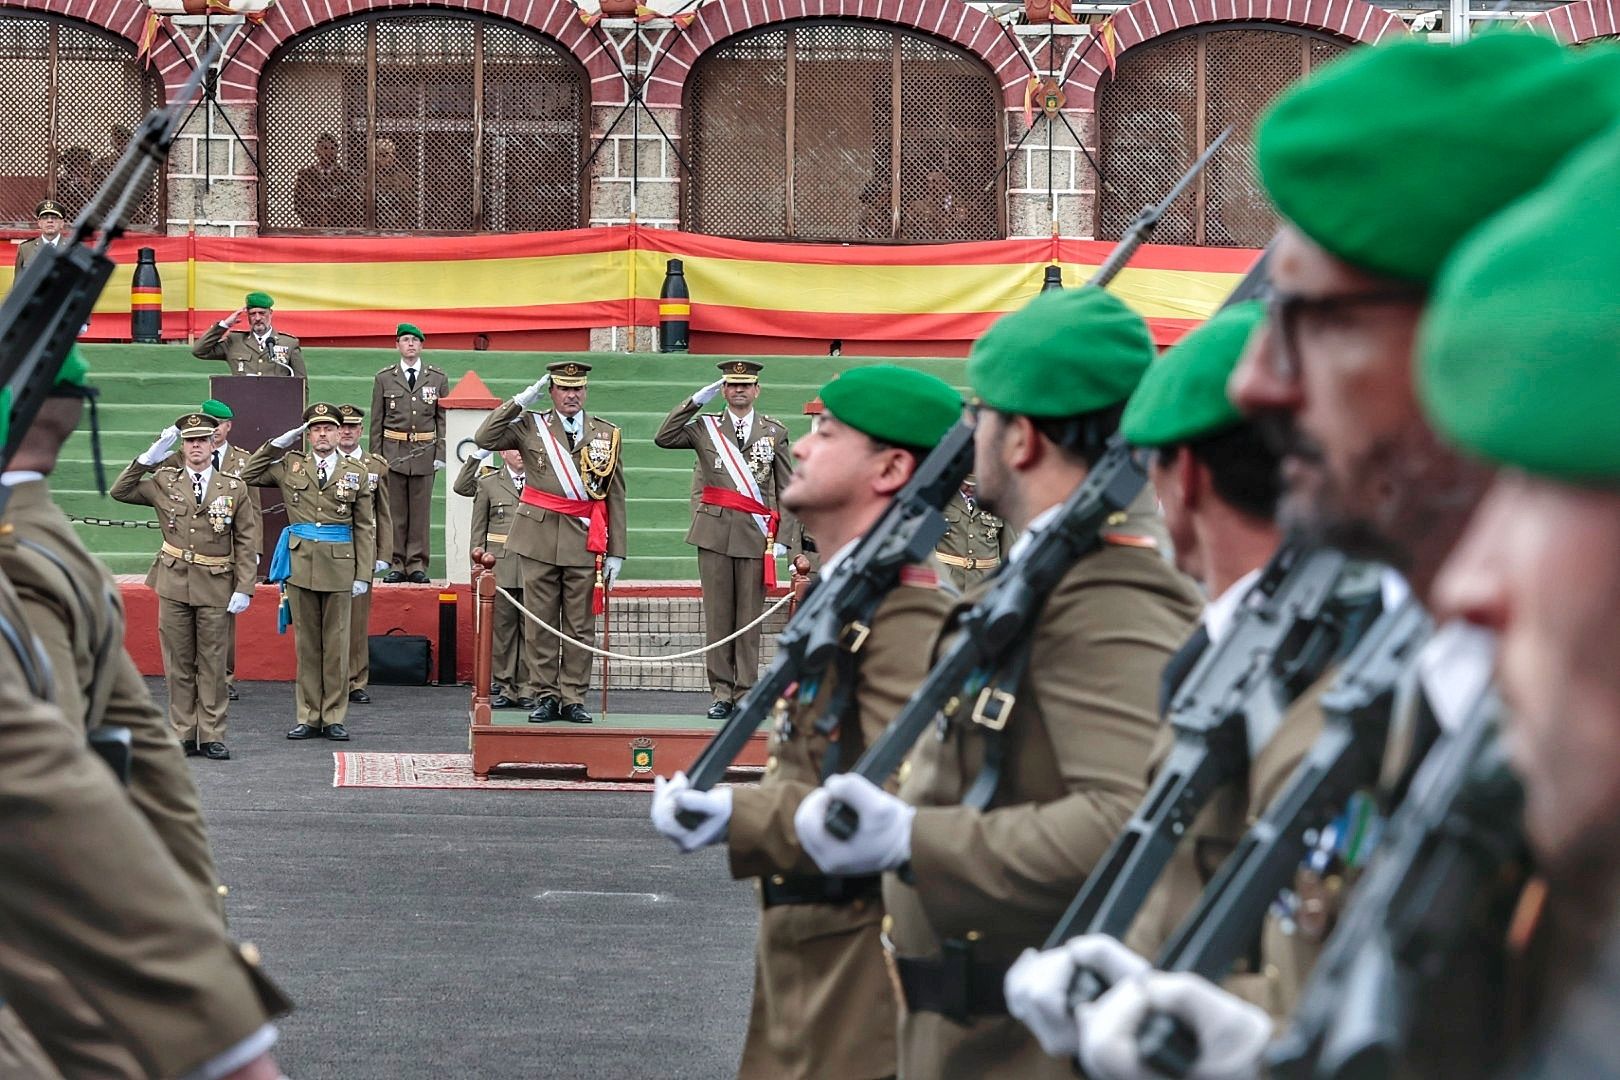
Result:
999,694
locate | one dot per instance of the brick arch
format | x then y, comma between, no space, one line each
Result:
1583,20
122,19
949,20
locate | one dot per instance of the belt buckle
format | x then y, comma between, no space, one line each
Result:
854,636
993,707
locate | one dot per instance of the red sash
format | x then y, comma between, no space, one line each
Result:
595,509
736,500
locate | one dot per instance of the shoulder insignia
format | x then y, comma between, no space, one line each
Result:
1126,540
434,367
386,370
605,422
920,576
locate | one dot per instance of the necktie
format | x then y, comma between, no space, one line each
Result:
410,377
320,473
1180,666
742,432
197,487
968,499
216,459
517,479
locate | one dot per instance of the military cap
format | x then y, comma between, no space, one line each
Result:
1066,352
1183,395
1517,353
409,328
566,373
260,300
196,425
352,414
218,409
740,371
322,413
1391,155
893,404
49,208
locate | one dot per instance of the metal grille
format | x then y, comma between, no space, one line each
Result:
793,130
71,96
422,124
1164,104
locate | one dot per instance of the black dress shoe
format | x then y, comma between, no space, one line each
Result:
337,732
359,697
304,731
393,577
500,701
719,710
215,751
545,712
525,702
190,747
576,714
418,577
230,692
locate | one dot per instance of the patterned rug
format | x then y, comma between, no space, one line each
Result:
455,771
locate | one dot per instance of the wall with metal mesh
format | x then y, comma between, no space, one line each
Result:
70,96
421,122
843,131
1168,99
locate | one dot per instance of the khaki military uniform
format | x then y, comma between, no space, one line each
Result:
407,430
231,461
823,1003
559,573
210,550
974,544
495,505
360,606
28,249
731,547
1075,748
242,351
323,574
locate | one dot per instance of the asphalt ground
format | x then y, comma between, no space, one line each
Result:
471,933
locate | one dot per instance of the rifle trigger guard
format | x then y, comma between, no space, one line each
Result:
854,636
993,707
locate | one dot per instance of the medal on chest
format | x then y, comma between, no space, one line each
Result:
221,512
760,456
430,394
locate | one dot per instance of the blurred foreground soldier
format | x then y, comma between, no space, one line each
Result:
823,1005
495,485
743,463
258,350
407,431
1330,374
229,458
997,825
203,574
330,529
376,490
569,534
50,219
975,540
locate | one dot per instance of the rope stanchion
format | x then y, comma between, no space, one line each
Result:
594,651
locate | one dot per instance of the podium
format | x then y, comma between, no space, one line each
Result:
265,406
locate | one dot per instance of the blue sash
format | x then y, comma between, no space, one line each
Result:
281,561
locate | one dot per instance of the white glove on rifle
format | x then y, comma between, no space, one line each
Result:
288,439
1037,986
882,839
611,565
706,395
676,794
161,449
239,603
1231,1033
359,588
528,395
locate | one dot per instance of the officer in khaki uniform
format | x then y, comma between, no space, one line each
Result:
823,1004
330,528
407,430
738,536
203,573
975,540
229,458
48,215
260,349
354,422
569,533
995,829
495,485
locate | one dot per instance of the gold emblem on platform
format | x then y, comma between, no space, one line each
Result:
641,756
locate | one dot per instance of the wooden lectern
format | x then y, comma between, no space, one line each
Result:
265,406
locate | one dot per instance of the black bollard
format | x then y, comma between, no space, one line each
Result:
1054,278
146,301
674,310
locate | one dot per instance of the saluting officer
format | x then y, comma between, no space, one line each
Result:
260,349
743,463
495,485
229,458
570,531
50,219
407,429
354,422
331,527
203,573
975,540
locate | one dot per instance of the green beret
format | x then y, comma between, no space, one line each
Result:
1392,154
260,299
1183,394
218,409
406,328
1066,352
1519,353
893,404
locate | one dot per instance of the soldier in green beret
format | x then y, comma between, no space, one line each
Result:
50,219
229,459
407,431
258,350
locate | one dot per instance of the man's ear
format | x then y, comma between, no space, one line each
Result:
895,468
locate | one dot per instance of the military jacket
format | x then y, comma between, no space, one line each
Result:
28,249
767,456
242,351
225,527
414,417
974,544
319,565
376,467
496,500
540,534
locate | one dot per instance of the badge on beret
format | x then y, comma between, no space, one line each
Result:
321,410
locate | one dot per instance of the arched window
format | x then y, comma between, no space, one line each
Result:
71,95
419,122
793,133
1168,99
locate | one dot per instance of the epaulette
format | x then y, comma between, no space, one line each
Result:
167,468
605,420
435,367
385,370
920,576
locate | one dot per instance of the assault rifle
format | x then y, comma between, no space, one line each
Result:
1141,229
1345,757
1303,613
1442,856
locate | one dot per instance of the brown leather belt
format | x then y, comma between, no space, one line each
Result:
814,889
410,436
192,557
968,562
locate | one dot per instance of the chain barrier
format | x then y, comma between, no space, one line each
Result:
594,651
113,522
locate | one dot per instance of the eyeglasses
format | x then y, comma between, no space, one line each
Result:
1284,312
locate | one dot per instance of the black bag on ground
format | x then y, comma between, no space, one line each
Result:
400,659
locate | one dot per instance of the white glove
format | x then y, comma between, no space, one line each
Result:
676,794
481,454
379,566
359,588
437,465
882,840
778,550
528,394
706,395
611,565
287,439
239,603
162,448
1037,986
1232,1034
